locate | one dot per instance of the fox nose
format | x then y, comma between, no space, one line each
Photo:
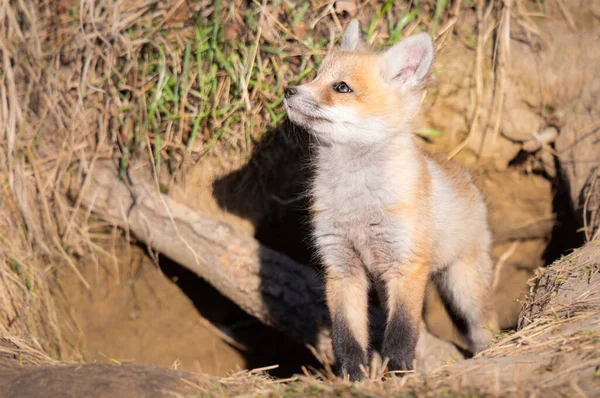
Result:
289,91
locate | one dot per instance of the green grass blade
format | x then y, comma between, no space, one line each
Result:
439,7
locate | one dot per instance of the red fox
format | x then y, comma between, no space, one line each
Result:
385,211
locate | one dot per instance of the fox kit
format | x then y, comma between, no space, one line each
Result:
384,211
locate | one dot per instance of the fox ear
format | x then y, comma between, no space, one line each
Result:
352,39
409,61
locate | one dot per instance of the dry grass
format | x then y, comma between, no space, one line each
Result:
17,352
28,310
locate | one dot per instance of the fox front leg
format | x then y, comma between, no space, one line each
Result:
405,291
347,299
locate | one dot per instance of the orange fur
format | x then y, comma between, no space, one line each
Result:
455,174
360,71
349,296
408,290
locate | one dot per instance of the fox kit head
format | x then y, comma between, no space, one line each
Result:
361,97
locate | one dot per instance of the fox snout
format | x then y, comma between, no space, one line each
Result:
290,91
299,104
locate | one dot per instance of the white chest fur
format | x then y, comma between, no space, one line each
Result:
360,182
351,191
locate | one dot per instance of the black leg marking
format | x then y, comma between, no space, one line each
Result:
464,321
348,352
400,340
458,317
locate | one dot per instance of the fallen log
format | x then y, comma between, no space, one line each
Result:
268,285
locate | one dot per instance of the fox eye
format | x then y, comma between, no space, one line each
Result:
342,87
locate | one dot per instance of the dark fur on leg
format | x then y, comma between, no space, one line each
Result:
471,309
400,341
457,317
348,352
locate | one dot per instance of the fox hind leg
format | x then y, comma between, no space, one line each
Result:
466,288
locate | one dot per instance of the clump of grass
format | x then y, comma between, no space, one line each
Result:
186,86
200,90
